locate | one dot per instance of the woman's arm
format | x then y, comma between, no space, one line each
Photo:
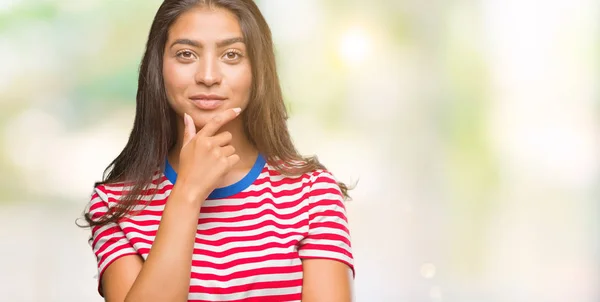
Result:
326,281
165,275
326,252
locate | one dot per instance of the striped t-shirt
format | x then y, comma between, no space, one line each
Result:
251,235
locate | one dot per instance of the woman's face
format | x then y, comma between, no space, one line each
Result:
206,68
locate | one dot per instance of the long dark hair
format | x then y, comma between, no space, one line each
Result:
154,129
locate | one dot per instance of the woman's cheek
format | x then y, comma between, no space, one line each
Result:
178,78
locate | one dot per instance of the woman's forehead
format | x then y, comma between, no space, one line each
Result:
206,26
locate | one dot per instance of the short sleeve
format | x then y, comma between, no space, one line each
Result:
328,234
108,241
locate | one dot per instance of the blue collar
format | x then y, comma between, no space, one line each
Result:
230,190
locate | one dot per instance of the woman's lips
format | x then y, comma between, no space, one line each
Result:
207,101
207,104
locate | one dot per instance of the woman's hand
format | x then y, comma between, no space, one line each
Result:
205,157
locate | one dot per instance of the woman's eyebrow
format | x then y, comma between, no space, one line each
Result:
186,42
230,41
197,44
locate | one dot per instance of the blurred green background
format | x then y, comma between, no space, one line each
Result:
472,127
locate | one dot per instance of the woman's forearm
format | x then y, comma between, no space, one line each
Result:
165,275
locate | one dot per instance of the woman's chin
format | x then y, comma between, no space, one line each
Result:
203,118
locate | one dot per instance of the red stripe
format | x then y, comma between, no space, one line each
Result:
147,192
266,199
249,260
318,193
97,204
333,237
223,241
245,287
157,180
350,265
277,298
283,181
329,215
233,228
233,219
322,247
252,218
236,250
251,205
124,247
330,224
249,273
108,232
142,223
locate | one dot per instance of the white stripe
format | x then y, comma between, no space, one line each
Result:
279,178
298,207
243,255
101,193
249,280
144,207
141,245
244,267
221,248
136,234
146,197
328,230
328,207
98,210
146,217
145,228
324,254
334,243
224,235
105,261
122,187
249,223
324,185
104,228
249,233
246,294
277,188
158,208
112,246
242,201
257,199
328,196
203,227
93,201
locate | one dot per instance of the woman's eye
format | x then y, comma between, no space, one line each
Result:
186,54
231,55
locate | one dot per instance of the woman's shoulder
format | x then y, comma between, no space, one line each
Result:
296,173
313,178
113,191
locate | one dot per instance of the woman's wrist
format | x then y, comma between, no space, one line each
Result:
189,194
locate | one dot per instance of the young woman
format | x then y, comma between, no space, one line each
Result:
209,200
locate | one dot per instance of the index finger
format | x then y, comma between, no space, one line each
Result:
219,120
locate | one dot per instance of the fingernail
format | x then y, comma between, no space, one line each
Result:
185,119
237,110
